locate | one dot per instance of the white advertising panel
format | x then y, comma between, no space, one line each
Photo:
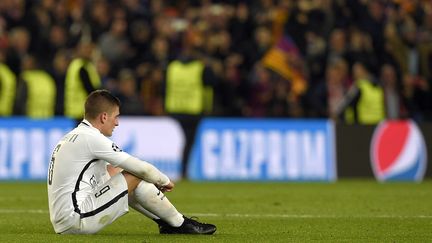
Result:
158,140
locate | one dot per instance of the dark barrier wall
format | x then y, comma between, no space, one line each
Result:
427,133
353,149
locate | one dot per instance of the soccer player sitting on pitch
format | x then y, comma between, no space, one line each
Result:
91,182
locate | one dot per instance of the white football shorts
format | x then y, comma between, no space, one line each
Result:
108,202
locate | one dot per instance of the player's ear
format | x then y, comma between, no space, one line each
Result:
103,117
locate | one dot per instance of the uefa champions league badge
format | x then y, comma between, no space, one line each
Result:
116,148
398,151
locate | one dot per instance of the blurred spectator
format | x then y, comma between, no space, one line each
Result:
114,44
103,67
241,25
282,104
315,57
56,41
326,96
263,41
159,53
19,42
127,93
61,14
100,19
152,90
260,93
231,90
14,13
394,103
306,16
78,26
140,39
337,46
41,32
413,57
417,94
405,48
371,20
360,49
36,93
58,72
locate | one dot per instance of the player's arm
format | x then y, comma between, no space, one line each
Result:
106,150
146,171
115,170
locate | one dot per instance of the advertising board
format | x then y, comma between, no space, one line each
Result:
398,151
263,149
26,146
158,140
392,151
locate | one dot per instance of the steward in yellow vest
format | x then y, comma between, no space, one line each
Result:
188,95
370,106
81,79
36,92
186,92
7,90
364,101
367,105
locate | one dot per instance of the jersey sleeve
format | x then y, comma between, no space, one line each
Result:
104,149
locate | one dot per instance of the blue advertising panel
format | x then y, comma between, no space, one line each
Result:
26,146
263,149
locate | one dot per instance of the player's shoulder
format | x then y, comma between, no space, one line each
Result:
84,133
92,133
95,138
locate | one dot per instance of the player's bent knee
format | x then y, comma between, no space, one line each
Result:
131,180
146,188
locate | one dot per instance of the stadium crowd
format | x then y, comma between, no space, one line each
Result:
350,60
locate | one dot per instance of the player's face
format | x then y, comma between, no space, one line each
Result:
111,122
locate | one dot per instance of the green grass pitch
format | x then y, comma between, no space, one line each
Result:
345,211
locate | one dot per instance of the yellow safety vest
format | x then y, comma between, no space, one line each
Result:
7,90
370,107
185,91
41,94
75,93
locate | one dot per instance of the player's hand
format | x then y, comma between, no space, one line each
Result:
168,187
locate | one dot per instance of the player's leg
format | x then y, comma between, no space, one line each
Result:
150,201
132,184
133,203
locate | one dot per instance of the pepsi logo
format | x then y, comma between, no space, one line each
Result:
398,151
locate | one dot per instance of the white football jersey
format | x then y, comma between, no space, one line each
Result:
77,166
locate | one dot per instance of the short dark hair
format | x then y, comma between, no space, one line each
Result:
99,101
